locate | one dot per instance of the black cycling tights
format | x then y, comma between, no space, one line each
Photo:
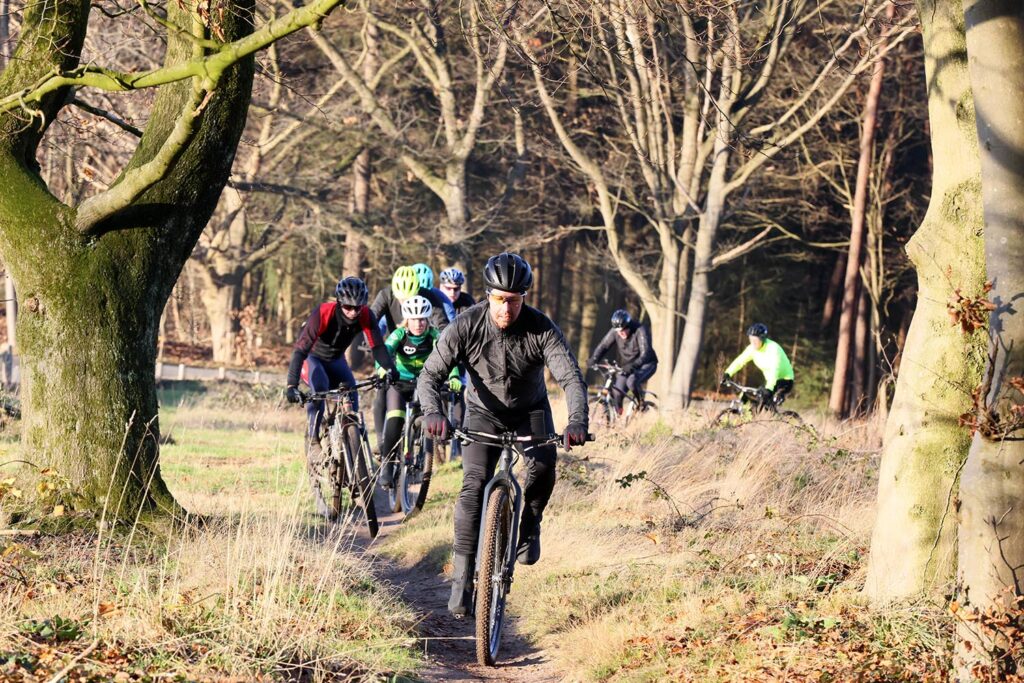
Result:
478,463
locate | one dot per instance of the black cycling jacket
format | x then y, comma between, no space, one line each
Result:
506,367
463,302
635,350
327,334
387,305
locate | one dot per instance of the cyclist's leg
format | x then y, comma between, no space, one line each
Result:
619,391
478,463
540,482
637,380
318,380
782,389
394,422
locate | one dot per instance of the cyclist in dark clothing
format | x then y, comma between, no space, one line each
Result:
504,346
319,353
387,306
637,359
452,282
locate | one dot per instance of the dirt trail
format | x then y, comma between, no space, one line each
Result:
449,644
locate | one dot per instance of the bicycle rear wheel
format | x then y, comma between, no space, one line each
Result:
492,583
362,488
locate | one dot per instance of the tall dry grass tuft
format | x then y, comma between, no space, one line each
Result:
672,550
260,589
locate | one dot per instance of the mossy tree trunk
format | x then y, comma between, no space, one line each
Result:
913,544
93,297
991,531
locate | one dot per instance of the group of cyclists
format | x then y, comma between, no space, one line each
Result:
491,356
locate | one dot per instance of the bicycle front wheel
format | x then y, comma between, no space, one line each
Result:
363,485
493,581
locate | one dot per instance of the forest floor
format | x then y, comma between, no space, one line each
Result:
671,551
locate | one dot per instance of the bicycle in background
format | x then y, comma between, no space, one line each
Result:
603,410
750,401
347,461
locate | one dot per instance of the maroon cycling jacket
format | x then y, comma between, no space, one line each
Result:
327,335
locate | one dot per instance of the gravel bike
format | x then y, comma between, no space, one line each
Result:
415,454
750,401
603,411
346,461
499,535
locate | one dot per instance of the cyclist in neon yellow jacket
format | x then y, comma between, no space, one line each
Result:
770,359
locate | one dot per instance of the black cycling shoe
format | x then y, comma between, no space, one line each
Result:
529,547
460,603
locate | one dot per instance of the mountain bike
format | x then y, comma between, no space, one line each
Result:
750,401
499,535
603,410
346,461
415,454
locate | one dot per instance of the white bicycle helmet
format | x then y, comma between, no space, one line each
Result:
416,307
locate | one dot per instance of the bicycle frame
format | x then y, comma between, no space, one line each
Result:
503,477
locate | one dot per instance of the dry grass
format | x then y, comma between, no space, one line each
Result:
675,552
260,591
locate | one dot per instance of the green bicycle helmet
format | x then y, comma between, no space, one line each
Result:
405,283
425,274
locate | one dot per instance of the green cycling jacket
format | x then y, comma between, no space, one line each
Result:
410,353
770,359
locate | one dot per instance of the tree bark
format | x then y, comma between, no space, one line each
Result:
857,404
93,301
848,317
913,541
991,532
833,297
11,310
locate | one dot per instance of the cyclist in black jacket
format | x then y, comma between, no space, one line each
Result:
319,353
632,340
504,346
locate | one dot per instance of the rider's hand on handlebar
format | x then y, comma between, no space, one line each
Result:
455,384
575,435
437,426
292,394
725,380
764,395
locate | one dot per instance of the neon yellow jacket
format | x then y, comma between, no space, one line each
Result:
770,359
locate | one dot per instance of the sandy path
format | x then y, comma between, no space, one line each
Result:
449,644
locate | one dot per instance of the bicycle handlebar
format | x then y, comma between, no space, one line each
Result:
342,392
607,367
739,388
508,438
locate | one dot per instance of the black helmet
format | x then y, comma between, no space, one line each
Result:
620,319
758,330
352,291
508,272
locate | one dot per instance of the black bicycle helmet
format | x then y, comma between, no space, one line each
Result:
508,273
352,291
758,330
620,319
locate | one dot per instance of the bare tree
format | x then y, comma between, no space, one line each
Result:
94,275
689,84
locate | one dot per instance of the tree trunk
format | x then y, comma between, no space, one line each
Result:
913,540
848,317
588,313
862,338
835,291
92,303
221,295
991,532
684,374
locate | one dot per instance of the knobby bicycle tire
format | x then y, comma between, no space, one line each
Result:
490,595
326,506
363,486
720,420
792,417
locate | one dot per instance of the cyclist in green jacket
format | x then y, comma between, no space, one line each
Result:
409,345
770,359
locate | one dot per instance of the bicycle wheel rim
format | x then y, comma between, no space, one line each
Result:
362,487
